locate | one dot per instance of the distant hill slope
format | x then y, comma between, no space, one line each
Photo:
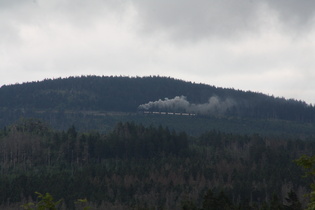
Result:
126,94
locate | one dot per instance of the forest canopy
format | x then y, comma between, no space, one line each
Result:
143,167
128,93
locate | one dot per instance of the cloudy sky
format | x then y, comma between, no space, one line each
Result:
266,46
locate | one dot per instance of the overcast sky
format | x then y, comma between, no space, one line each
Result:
266,46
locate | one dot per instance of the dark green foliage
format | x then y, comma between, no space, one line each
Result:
216,202
45,202
276,203
89,101
293,202
308,163
150,167
189,205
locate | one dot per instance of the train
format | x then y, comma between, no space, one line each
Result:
168,113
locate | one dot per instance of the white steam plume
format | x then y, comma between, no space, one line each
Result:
180,104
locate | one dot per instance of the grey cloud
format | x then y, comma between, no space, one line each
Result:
82,12
52,38
46,15
4,4
293,11
187,19
179,19
191,19
78,12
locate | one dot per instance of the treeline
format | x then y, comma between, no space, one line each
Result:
127,93
137,167
105,122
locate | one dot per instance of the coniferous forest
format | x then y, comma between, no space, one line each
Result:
137,167
99,103
108,140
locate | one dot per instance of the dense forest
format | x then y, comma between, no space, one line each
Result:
125,94
138,167
99,103
152,143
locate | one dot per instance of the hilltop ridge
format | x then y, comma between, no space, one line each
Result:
57,99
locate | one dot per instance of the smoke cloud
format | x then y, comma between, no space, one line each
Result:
214,106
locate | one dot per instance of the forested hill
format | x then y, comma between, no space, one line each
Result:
125,94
